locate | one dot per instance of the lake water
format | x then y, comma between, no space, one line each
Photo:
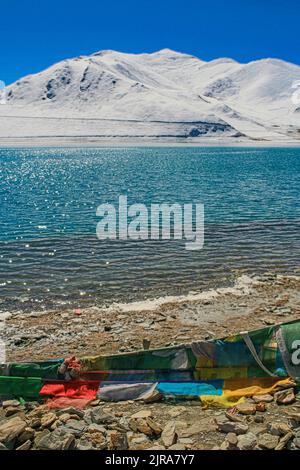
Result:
49,252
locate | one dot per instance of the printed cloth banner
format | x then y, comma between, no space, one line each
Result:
219,372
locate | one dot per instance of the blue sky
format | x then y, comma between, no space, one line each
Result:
34,33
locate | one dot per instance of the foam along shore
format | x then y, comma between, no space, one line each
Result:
241,286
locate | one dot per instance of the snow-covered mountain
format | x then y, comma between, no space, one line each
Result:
165,95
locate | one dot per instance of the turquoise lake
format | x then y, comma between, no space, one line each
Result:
50,255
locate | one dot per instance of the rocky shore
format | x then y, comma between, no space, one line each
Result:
252,302
263,422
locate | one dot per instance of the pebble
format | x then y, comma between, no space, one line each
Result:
246,408
246,441
168,435
11,429
279,429
177,446
230,426
8,403
285,397
296,442
142,414
99,416
284,441
232,439
266,398
25,446
267,441
48,419
118,441
96,428
75,427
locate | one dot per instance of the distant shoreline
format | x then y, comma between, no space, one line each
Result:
77,142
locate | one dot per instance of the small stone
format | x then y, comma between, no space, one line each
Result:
39,435
176,411
68,442
152,397
260,407
55,425
285,397
11,429
296,442
142,414
71,411
75,427
96,428
246,441
27,434
295,416
258,419
132,423
269,321
279,429
139,440
117,441
64,417
177,446
8,403
48,419
232,439
35,423
186,441
11,410
99,416
181,426
267,441
142,426
203,425
98,439
25,446
56,440
230,426
168,435
76,417
258,428
266,398
84,444
142,446
246,408
156,428
234,417
224,446
94,402
284,441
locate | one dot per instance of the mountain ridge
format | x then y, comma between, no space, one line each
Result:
251,100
